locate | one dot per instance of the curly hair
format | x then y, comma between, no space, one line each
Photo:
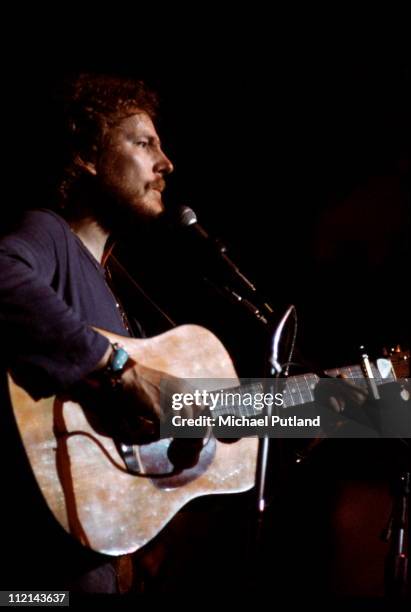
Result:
92,103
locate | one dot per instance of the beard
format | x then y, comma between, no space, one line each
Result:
119,214
123,216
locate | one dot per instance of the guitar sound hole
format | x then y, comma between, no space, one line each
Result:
155,459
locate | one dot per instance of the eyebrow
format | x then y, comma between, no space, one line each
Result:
151,138
143,134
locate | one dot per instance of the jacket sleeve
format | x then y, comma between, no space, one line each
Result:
46,345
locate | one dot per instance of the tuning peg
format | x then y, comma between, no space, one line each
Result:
368,373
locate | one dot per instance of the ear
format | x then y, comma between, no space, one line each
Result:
86,165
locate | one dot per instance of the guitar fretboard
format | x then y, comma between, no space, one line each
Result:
296,390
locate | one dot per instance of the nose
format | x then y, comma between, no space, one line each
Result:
163,165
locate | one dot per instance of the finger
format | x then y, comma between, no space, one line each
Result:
354,386
337,404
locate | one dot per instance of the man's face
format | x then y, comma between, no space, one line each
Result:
131,166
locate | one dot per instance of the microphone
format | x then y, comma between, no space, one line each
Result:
185,217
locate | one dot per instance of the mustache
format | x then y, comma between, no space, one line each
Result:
159,184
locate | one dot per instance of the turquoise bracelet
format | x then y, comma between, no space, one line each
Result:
118,359
116,364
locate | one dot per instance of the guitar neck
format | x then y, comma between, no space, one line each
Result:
295,390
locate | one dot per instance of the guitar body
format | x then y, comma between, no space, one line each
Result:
84,478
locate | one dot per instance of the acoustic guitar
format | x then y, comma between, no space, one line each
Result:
115,498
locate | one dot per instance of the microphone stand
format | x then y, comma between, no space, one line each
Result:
236,298
274,371
247,284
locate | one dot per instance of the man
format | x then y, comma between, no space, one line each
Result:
55,302
54,298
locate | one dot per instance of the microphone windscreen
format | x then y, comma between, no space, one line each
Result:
185,216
